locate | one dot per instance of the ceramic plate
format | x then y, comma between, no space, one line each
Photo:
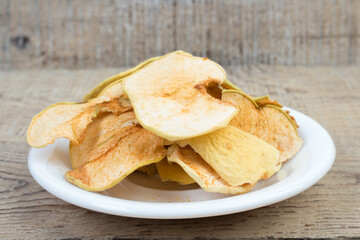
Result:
146,197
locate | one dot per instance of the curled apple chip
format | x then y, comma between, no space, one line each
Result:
137,148
100,137
195,166
169,171
265,119
101,86
169,96
237,156
69,120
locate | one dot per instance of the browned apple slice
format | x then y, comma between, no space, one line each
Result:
265,119
138,147
100,137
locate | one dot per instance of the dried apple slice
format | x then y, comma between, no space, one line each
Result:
69,120
60,120
137,148
265,119
101,86
195,166
169,96
173,172
237,156
101,135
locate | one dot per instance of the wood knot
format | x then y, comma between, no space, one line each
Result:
20,41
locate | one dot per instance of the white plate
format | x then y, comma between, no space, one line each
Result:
137,196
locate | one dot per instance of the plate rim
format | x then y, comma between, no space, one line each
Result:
208,208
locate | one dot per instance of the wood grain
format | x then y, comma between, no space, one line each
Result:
330,209
77,34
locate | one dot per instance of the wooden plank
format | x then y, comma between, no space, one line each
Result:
95,34
330,209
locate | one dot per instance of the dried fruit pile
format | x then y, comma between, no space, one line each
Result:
177,115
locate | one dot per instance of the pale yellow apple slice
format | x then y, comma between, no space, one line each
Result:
137,148
169,171
169,96
265,119
237,156
195,166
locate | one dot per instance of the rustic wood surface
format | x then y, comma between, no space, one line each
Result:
108,33
330,209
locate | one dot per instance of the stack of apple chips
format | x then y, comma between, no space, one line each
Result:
176,115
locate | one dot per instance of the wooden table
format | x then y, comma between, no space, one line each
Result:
330,209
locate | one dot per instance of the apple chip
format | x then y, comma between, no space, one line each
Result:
173,172
237,156
265,119
100,137
137,148
195,166
101,86
69,120
169,96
